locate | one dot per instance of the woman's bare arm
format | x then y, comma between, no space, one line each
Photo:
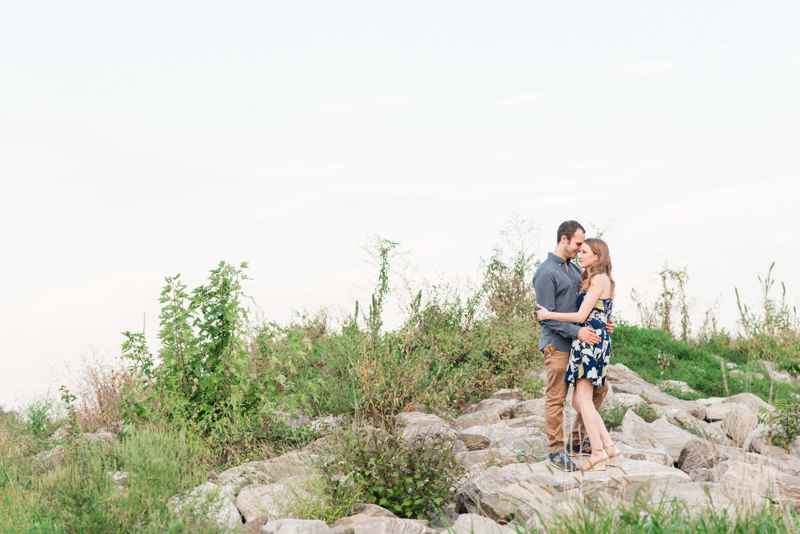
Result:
600,283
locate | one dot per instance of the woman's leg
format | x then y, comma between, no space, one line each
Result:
591,419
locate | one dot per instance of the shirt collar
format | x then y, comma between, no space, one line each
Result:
555,258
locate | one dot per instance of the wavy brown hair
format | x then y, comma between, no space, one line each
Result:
603,265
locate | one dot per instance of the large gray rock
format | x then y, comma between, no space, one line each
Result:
420,424
670,436
697,454
637,430
675,385
269,471
504,408
477,461
481,418
529,407
475,441
658,454
738,423
272,501
626,381
211,502
295,526
716,412
498,431
529,490
624,400
371,510
751,401
476,524
697,427
507,395
523,448
751,482
383,525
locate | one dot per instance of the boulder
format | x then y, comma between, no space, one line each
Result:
268,471
675,385
271,500
499,431
670,436
626,381
625,400
476,461
696,454
504,408
697,427
775,375
507,395
529,407
751,401
702,475
481,418
637,430
717,412
476,524
756,439
526,491
738,423
420,424
523,448
382,525
210,501
295,526
750,482
371,510
533,421
475,442
658,454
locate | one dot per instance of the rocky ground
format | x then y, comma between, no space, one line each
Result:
707,453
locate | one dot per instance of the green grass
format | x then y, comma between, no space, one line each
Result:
655,357
642,517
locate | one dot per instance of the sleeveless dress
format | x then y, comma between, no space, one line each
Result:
591,361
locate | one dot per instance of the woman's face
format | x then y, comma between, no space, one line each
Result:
588,258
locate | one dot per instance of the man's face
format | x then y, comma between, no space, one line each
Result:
572,247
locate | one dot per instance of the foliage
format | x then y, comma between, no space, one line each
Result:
208,381
773,333
613,415
640,516
783,423
80,495
697,365
671,307
410,477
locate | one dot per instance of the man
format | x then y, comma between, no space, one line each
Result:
557,282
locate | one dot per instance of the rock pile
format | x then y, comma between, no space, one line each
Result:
707,453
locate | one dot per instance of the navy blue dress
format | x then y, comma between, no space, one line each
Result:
591,361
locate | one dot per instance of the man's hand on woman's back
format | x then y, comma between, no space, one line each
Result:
588,336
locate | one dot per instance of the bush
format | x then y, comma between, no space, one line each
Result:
783,423
80,495
409,477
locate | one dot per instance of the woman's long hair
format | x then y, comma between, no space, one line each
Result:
603,265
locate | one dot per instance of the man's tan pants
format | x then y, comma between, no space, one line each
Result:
555,362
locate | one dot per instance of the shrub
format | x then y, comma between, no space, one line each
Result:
783,423
409,477
80,495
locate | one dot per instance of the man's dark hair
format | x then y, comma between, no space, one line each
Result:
568,228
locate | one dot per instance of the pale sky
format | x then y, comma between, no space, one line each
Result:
144,139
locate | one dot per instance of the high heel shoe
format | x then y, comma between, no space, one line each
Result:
613,461
599,465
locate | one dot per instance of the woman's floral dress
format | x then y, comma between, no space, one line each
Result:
591,361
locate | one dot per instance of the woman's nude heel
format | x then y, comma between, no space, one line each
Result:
598,466
613,461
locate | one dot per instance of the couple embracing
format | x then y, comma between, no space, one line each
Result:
574,310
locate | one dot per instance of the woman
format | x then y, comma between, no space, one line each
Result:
588,364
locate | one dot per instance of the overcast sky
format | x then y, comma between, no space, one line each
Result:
143,139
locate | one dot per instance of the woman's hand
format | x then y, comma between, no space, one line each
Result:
542,313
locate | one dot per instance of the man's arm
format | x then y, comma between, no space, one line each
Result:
545,287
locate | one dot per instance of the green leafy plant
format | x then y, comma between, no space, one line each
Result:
783,423
410,477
